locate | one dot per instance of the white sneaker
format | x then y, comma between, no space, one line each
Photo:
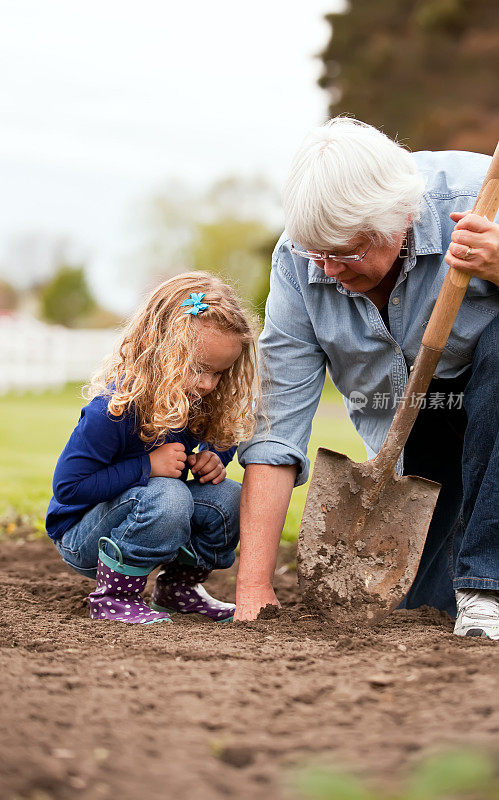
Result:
477,613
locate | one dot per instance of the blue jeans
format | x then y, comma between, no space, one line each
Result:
150,523
459,448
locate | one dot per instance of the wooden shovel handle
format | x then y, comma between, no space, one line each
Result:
437,332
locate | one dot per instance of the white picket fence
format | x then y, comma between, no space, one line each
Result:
35,356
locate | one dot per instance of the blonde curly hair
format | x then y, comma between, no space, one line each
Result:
158,355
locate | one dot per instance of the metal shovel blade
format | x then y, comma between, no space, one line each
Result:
357,557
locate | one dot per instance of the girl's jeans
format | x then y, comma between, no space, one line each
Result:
459,448
150,523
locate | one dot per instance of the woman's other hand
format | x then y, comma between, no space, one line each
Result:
251,600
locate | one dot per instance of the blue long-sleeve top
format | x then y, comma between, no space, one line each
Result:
103,457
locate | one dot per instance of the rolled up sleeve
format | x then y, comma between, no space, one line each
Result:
293,369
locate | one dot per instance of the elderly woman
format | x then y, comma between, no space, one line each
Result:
370,233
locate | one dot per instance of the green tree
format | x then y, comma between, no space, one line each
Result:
66,298
425,71
262,286
232,249
9,297
230,229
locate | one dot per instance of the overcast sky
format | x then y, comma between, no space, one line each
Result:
103,101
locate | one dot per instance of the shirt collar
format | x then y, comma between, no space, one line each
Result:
424,238
427,230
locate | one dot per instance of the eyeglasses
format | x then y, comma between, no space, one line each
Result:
351,259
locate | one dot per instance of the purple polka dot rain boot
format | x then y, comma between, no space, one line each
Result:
117,595
178,589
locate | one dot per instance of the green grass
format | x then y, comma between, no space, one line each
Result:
33,430
35,427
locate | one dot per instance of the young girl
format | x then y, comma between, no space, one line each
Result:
181,377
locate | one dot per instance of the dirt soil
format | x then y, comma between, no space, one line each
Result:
97,710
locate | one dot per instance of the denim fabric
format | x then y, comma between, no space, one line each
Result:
477,564
150,523
459,448
312,324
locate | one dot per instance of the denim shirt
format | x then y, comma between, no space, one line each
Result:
312,324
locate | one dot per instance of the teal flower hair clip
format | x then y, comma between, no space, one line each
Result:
197,307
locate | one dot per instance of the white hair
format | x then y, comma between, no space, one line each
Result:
349,178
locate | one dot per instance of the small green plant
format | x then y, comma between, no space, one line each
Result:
456,775
459,775
321,784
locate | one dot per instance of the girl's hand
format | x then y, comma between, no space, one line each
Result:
251,600
482,237
207,466
168,460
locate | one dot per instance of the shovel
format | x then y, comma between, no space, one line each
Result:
363,527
